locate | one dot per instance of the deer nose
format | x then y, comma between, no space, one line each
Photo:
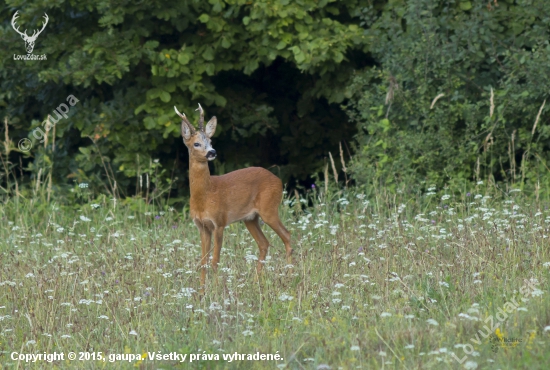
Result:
211,153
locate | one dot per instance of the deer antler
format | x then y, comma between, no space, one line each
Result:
15,16
201,118
184,119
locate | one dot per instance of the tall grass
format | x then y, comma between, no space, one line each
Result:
376,283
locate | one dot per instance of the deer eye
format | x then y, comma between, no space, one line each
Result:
197,145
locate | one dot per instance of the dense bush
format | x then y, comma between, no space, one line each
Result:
455,94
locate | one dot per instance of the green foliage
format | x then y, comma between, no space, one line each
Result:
270,70
274,73
457,52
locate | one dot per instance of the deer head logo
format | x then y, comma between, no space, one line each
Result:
29,40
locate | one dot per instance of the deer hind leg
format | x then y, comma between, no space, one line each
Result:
273,220
218,241
253,227
206,238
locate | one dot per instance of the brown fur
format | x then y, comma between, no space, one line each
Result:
242,195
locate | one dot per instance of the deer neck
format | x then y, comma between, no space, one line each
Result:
199,181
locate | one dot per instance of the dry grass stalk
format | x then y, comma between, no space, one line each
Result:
53,135
49,177
47,127
343,163
342,158
492,100
147,186
333,168
7,149
138,173
488,142
477,169
325,172
523,165
49,190
510,159
7,141
394,86
436,99
38,181
538,117
511,153
297,198
114,195
16,187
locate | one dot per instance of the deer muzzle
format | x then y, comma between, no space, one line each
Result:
211,155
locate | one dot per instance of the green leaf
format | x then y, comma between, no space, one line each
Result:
149,123
183,58
165,96
204,18
298,54
246,21
281,45
208,54
153,93
84,150
210,69
385,124
225,43
465,5
170,86
220,101
163,120
139,109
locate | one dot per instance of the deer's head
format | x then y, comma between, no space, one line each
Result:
29,40
198,141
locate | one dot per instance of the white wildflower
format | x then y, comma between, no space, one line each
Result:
432,322
285,297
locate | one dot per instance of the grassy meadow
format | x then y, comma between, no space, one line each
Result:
377,282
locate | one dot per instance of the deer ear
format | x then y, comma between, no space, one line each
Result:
185,131
211,127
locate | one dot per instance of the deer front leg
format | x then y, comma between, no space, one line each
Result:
206,237
218,241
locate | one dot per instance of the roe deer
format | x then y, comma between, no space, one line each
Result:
217,201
